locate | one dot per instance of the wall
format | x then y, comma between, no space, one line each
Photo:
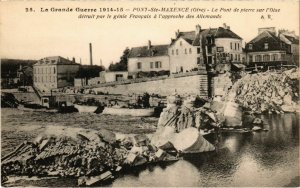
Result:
95,81
79,82
187,60
295,53
45,77
222,83
165,87
235,51
111,76
132,64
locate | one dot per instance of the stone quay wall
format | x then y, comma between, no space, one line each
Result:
193,84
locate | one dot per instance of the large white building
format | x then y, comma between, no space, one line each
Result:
196,49
185,53
54,72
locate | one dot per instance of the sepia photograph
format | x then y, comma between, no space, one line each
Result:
147,93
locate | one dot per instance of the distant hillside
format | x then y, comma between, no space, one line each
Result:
9,67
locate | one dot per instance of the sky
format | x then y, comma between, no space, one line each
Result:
34,35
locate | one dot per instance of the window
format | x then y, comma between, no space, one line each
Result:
176,51
42,70
208,40
180,43
198,50
54,70
258,58
235,57
235,46
190,50
238,46
282,57
266,46
198,60
35,79
172,52
151,65
231,45
239,57
231,56
250,58
274,57
139,65
157,64
250,46
266,58
185,51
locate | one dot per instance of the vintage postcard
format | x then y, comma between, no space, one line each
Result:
174,93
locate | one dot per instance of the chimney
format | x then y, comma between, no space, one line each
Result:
149,44
73,59
177,33
225,26
91,55
198,29
80,61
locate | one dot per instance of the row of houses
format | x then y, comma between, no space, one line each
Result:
215,47
202,49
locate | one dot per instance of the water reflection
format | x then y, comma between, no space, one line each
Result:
259,159
158,176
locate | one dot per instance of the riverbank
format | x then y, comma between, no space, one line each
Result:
258,159
18,126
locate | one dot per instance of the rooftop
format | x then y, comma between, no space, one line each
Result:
55,60
258,43
194,39
145,51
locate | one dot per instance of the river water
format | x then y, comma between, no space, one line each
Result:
257,159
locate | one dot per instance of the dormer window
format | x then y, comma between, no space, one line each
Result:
266,46
250,46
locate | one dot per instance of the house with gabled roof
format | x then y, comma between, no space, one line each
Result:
148,58
267,49
194,50
54,72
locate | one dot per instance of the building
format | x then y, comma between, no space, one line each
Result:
148,58
108,76
115,76
291,39
54,72
267,49
195,49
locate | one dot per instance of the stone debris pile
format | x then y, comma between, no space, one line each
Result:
271,92
92,156
191,112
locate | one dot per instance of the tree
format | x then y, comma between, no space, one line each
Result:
122,64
